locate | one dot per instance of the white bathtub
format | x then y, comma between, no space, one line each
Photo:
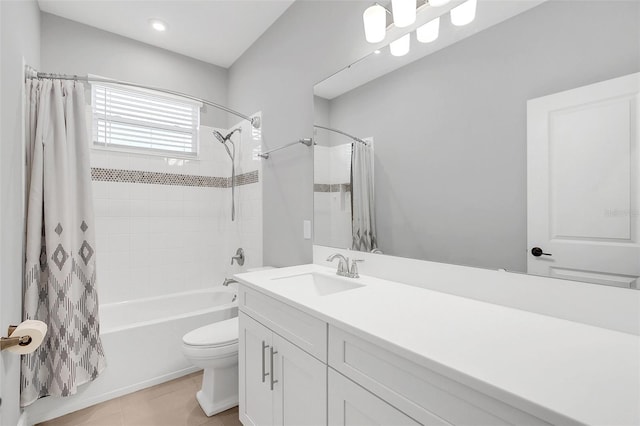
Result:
142,343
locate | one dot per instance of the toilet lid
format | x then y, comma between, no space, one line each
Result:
219,333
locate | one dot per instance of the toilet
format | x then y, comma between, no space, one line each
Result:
214,348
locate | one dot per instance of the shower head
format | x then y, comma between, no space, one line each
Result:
224,139
219,136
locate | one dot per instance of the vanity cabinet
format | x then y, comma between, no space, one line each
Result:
296,369
280,384
353,405
255,387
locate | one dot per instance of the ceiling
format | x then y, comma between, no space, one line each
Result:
214,31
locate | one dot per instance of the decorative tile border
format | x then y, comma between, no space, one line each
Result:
333,187
174,179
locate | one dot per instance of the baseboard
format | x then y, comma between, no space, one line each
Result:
32,417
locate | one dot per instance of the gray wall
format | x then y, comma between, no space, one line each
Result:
321,110
310,41
19,39
450,129
73,48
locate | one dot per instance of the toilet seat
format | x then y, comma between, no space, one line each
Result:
217,335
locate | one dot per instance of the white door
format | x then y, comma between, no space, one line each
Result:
254,372
583,191
352,405
300,390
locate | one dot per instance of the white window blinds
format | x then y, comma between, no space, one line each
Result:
142,120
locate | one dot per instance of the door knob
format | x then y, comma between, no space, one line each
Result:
537,252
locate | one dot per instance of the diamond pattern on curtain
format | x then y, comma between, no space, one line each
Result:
60,272
363,216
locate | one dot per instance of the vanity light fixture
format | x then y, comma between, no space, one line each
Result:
158,25
400,47
429,31
375,23
464,14
404,12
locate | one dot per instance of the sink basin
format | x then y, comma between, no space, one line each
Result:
314,284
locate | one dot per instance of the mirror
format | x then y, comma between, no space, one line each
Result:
509,143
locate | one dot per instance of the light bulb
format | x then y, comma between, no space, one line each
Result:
464,14
437,3
429,31
400,47
375,23
404,12
158,25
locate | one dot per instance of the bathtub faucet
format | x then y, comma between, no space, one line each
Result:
228,281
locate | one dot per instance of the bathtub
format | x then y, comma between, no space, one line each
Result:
142,343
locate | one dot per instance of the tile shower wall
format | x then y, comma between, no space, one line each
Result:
332,195
175,235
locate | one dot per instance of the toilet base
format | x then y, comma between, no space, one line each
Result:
219,390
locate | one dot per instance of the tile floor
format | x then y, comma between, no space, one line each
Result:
168,404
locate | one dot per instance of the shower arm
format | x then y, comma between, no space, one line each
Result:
31,73
306,141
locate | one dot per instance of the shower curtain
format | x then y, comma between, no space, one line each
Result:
60,273
363,217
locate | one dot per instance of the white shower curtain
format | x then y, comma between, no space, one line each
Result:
362,198
60,273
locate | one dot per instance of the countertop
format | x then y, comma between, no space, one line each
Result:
558,370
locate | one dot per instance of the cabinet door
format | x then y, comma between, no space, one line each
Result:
352,405
253,364
300,393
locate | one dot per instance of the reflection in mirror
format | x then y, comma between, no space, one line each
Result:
509,143
343,191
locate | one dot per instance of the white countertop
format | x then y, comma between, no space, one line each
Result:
555,369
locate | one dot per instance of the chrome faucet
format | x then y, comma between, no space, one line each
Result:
228,281
346,269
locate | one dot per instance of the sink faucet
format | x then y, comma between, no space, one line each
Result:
346,269
228,281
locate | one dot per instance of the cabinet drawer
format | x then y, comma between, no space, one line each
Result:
416,390
352,405
299,328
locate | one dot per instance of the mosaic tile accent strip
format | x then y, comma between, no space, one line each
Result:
334,187
173,179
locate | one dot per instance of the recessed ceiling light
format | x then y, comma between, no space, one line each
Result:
377,52
158,25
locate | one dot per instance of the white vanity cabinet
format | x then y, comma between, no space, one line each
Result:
256,396
342,358
297,369
423,395
352,405
280,384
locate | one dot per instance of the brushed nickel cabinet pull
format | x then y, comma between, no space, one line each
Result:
272,380
264,373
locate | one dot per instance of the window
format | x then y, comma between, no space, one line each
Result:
137,119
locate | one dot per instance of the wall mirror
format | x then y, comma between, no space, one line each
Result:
508,143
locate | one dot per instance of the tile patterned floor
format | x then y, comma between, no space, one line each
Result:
168,404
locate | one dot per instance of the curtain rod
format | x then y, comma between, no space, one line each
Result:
341,132
32,73
307,142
